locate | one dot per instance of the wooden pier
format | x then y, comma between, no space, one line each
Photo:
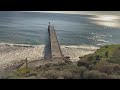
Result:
53,56
56,52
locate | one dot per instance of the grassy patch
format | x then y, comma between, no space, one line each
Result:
108,48
22,71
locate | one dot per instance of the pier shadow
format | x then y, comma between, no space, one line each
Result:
47,50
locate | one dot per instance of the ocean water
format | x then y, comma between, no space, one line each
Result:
31,28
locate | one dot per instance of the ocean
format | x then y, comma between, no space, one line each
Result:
72,29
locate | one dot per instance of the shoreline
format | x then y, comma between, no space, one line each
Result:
10,53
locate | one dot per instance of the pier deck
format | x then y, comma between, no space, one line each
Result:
55,47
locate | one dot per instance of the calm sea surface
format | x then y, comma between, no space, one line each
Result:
31,28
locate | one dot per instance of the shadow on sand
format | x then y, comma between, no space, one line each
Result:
47,50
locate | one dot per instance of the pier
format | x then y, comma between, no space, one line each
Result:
56,52
53,53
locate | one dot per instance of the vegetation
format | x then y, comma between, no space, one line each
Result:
49,71
103,64
107,66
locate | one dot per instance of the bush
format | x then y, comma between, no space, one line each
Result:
104,67
82,69
50,74
8,75
47,65
67,75
97,58
104,76
113,76
116,67
106,54
107,67
83,63
90,58
106,46
93,74
116,55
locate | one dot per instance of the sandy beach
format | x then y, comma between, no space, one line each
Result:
74,52
10,53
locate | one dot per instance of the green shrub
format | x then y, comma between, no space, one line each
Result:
97,58
106,46
116,67
93,74
67,74
115,57
50,74
107,67
22,71
82,69
90,58
83,63
106,54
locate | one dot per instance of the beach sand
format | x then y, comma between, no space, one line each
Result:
10,53
74,52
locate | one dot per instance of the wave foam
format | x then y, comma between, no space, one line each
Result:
101,40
